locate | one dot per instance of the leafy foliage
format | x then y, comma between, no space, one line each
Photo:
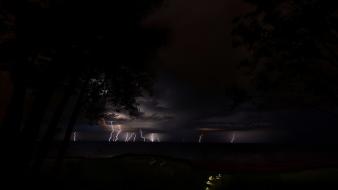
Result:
291,49
72,44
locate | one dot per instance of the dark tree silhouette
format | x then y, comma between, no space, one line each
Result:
95,51
291,49
8,41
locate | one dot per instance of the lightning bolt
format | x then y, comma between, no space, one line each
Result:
200,139
119,130
141,135
233,138
111,133
131,136
127,137
74,136
134,137
152,137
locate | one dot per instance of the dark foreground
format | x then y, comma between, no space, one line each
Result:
192,166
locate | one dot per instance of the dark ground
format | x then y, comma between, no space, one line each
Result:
189,166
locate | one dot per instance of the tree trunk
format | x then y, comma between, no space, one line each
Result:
10,146
70,127
48,138
32,128
14,114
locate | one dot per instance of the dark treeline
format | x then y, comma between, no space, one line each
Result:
291,52
79,54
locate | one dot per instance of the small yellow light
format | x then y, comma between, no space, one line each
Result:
210,183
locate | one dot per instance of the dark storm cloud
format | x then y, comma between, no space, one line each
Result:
198,63
203,64
191,111
196,68
156,117
200,48
176,105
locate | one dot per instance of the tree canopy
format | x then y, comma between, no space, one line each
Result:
100,46
291,51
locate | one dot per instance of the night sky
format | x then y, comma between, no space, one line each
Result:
194,71
169,94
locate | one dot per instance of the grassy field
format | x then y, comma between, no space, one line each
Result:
156,172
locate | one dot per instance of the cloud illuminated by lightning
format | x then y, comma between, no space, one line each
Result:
152,137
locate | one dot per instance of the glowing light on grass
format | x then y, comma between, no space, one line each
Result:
214,182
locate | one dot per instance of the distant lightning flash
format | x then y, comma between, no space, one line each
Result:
119,130
111,133
134,140
154,137
132,135
200,139
141,135
110,136
74,136
127,137
233,138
